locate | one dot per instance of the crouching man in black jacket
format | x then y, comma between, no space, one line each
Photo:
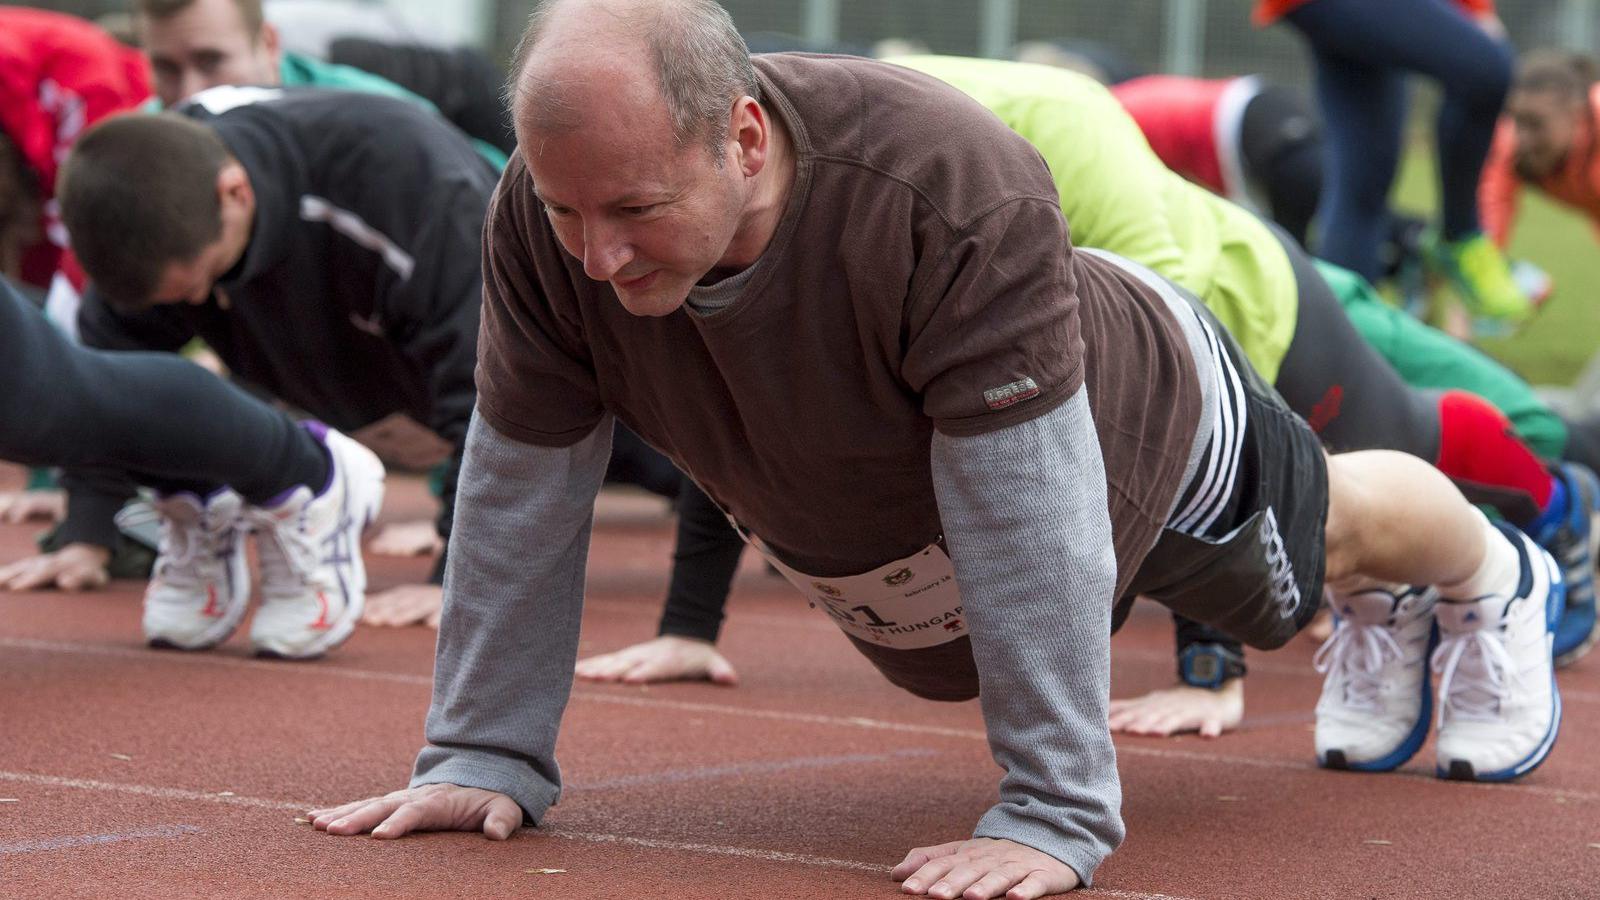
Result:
324,244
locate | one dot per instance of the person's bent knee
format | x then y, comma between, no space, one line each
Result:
1346,502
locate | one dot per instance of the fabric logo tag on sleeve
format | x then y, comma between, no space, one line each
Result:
1011,394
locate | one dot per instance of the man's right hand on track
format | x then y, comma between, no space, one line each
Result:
432,807
75,567
30,506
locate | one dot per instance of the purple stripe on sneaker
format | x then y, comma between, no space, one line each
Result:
319,430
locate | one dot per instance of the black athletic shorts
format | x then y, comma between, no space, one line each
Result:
1245,549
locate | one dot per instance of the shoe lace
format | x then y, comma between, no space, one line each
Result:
296,557
185,545
1475,675
1358,653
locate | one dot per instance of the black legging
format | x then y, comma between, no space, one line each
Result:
159,417
1335,380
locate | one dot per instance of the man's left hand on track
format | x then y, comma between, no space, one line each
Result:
981,869
1179,709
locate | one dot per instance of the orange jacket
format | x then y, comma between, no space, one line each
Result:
1576,183
1269,11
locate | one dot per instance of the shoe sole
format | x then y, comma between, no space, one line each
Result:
1463,770
364,488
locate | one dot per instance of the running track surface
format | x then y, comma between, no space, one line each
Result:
129,772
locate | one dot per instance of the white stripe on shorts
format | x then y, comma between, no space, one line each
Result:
1210,496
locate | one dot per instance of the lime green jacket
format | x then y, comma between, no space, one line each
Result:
1117,195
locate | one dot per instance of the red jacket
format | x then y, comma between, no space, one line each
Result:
1269,11
58,75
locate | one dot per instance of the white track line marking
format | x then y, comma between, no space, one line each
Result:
160,793
744,770
91,840
1127,749
802,859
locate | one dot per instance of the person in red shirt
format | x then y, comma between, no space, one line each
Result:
58,75
1258,144
1547,139
1362,52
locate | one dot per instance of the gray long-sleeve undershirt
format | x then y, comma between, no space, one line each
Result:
1025,518
513,598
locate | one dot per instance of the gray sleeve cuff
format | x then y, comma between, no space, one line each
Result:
476,769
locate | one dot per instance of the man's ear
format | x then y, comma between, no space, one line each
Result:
272,44
751,133
233,186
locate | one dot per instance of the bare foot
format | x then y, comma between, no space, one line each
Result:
667,658
1183,708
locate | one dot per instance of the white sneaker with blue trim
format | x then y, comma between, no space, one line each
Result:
1376,704
1499,709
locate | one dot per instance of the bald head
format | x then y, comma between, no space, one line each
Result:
681,61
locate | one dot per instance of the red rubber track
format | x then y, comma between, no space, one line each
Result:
138,773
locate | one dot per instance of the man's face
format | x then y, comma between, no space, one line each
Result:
1547,124
648,216
206,44
191,280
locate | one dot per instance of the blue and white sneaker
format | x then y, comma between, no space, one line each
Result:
200,586
1574,542
1376,704
313,580
1499,709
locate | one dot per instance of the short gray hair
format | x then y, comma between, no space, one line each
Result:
702,64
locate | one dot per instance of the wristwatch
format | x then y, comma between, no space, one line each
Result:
1209,665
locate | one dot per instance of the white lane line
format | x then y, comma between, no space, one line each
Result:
140,654
802,859
744,770
160,793
1562,794
598,696
92,840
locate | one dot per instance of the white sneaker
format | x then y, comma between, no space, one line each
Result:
1499,710
1375,706
313,581
200,586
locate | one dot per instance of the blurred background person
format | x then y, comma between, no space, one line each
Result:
1362,53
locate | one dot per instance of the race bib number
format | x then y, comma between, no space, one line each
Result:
905,605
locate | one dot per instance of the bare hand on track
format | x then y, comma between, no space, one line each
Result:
75,567
408,604
983,868
432,807
667,658
1179,709
406,539
29,506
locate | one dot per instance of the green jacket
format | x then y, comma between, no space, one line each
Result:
1117,195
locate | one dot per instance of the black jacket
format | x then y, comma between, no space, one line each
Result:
359,293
